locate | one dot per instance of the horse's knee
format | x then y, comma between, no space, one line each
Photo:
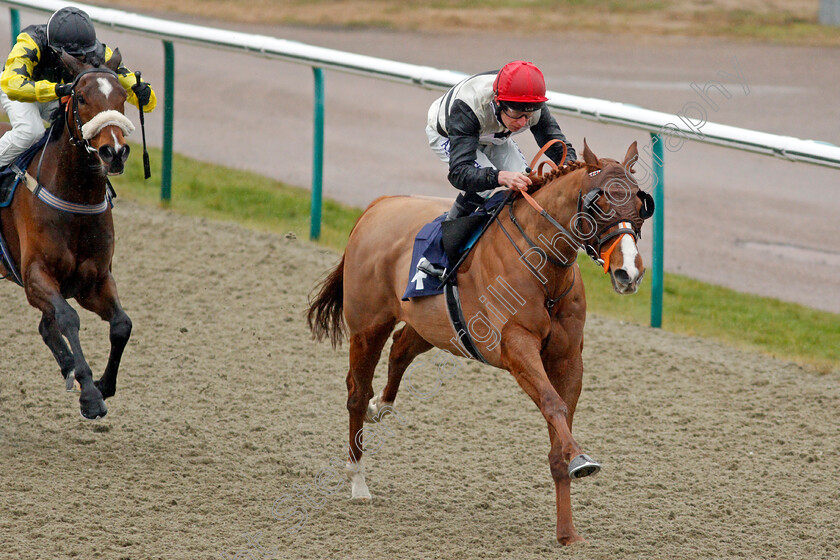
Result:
358,399
120,330
554,407
44,328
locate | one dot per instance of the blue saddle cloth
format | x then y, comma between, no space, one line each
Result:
428,244
8,181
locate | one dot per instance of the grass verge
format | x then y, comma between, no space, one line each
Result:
784,330
213,191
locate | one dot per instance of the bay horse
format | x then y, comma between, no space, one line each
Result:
59,231
538,339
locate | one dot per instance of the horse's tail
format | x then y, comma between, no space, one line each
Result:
325,315
326,311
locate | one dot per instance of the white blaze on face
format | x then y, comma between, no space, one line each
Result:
105,87
117,144
629,251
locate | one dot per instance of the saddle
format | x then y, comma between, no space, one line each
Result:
10,174
444,245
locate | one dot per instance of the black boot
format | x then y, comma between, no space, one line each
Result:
457,210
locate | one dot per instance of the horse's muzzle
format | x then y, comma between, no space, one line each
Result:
623,283
113,159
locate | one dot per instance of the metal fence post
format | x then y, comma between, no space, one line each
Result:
168,112
658,272
317,156
14,15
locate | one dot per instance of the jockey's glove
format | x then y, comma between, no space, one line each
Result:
143,92
63,90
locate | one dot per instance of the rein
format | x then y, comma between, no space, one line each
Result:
598,254
549,301
548,161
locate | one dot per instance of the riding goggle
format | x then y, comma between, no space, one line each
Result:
516,115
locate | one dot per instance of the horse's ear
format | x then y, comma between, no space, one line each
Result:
72,64
631,157
114,62
590,158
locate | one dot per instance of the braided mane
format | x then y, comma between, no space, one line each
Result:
538,181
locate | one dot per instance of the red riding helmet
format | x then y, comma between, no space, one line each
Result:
520,82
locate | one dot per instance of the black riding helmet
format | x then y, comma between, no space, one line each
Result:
70,30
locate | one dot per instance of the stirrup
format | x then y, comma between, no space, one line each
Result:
434,271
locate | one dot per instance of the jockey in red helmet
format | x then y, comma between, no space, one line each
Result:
34,78
471,128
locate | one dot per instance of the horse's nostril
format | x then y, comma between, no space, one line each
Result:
124,153
621,276
107,153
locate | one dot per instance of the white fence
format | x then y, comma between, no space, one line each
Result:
786,147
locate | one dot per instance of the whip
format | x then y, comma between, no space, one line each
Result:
147,168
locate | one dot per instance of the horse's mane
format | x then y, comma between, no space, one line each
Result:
57,119
538,181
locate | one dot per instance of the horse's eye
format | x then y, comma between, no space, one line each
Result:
82,100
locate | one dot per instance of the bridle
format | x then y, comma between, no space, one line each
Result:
76,132
612,231
597,245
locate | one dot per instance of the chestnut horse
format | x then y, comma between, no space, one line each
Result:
538,328
59,232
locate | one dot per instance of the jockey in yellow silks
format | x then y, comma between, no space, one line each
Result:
34,78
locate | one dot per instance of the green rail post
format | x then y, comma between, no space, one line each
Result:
317,156
658,280
168,112
15,17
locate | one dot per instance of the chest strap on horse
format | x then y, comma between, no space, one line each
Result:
53,201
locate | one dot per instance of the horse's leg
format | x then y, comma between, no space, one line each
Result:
365,348
104,301
55,342
564,366
407,346
42,293
521,356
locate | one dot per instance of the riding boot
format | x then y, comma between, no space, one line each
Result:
457,211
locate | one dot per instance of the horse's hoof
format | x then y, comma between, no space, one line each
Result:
358,487
95,411
572,539
583,465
